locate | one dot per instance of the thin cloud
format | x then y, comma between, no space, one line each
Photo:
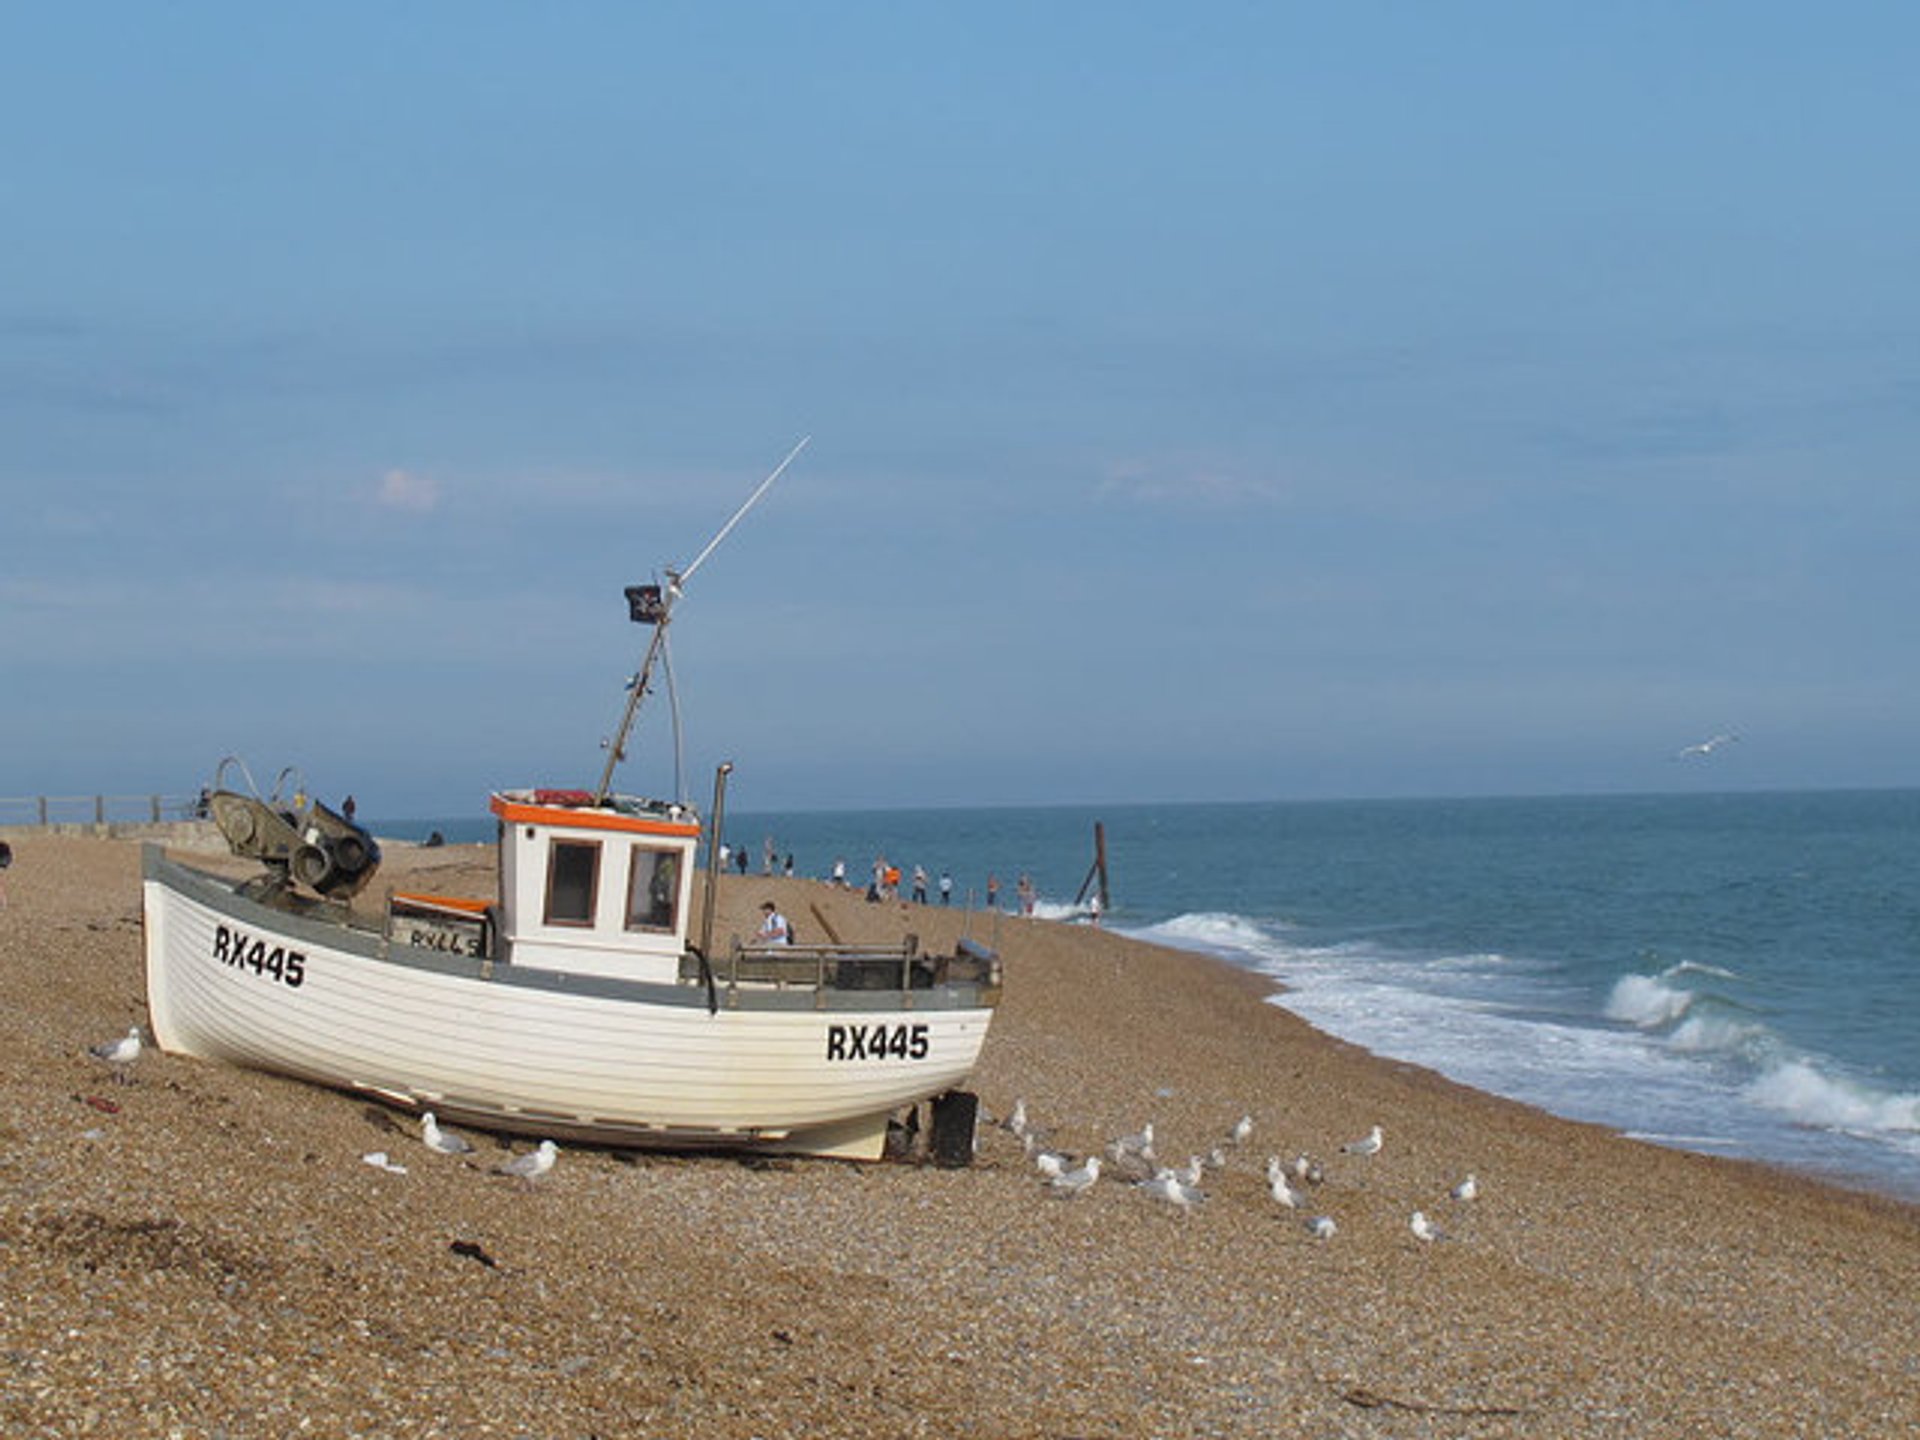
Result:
1147,484
404,490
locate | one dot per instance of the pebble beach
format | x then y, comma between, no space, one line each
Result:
192,1250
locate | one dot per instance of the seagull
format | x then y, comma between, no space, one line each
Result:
1706,747
1017,1121
1050,1163
1369,1146
532,1165
1306,1168
1140,1144
1321,1227
379,1161
1173,1191
123,1051
438,1139
1242,1128
1283,1193
119,1053
1072,1182
1423,1229
1467,1189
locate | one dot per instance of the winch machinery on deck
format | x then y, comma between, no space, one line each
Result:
297,837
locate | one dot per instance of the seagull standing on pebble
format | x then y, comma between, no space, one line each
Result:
123,1051
1321,1227
119,1053
1369,1146
1467,1189
1422,1228
438,1139
532,1165
1242,1128
1074,1182
1173,1191
1283,1193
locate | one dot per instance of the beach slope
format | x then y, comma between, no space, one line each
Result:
194,1250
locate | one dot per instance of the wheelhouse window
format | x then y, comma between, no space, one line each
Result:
653,889
573,881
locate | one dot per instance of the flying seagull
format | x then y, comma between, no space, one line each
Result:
1707,746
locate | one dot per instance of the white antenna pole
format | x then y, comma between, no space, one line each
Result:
676,584
740,514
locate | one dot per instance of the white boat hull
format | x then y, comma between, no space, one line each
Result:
536,1052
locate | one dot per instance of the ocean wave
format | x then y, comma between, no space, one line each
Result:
1721,1033
1647,1002
1212,930
1694,967
1058,910
1801,1093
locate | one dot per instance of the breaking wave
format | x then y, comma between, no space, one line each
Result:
1801,1093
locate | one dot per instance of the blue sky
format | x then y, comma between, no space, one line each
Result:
1219,401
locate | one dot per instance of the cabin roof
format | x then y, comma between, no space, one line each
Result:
577,809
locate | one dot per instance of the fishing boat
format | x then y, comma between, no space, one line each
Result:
575,1003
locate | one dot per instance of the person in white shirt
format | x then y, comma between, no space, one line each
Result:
773,926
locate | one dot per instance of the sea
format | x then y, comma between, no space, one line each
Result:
1734,974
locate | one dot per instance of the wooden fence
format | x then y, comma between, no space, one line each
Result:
49,810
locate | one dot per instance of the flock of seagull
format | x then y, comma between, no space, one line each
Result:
122,1052
1132,1158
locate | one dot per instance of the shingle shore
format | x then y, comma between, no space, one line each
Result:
203,1253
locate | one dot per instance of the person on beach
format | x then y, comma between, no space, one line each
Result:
993,892
840,872
1026,893
773,925
919,884
6,859
946,888
893,882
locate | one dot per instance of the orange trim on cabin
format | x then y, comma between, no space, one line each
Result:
517,812
450,902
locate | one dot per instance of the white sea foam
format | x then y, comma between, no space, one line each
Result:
1215,930
1708,1034
1647,1001
1804,1095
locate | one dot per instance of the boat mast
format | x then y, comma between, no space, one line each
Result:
653,605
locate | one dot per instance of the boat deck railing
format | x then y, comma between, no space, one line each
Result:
855,967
